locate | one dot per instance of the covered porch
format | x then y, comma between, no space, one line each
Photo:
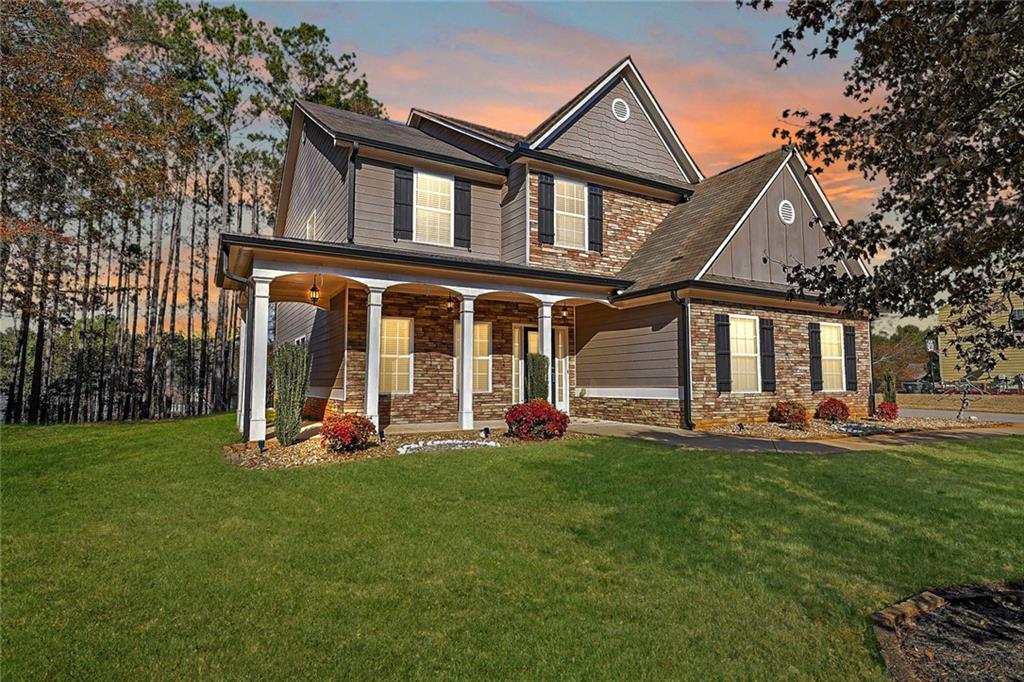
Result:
388,338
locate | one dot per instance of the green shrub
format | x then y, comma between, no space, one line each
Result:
889,386
537,377
291,371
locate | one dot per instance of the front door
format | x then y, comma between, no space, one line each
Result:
529,342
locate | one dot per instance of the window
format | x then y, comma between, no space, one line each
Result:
570,214
396,355
311,226
833,377
433,214
1017,321
481,357
743,354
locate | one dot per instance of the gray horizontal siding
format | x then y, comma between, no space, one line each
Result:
319,184
634,143
375,215
292,321
513,216
636,347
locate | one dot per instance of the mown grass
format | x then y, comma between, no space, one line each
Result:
137,551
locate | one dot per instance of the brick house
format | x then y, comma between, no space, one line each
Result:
657,294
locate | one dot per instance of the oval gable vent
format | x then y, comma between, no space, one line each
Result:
786,212
620,109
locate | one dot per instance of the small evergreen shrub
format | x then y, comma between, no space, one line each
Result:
889,387
789,412
536,420
537,376
347,433
832,409
291,371
887,411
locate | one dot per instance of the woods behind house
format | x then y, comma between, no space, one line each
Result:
132,133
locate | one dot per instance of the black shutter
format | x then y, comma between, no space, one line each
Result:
814,339
723,365
463,194
767,356
850,356
595,214
403,203
546,208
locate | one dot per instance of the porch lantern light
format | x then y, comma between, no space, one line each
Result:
314,292
565,313
449,305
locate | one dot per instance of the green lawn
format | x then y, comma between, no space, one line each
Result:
137,551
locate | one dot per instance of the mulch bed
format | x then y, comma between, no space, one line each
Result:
820,429
957,633
310,452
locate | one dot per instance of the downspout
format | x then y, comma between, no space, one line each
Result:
684,352
352,192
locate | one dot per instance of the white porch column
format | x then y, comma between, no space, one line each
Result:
373,302
544,340
258,382
243,351
466,357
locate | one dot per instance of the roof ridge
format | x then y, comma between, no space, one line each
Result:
730,169
574,100
479,127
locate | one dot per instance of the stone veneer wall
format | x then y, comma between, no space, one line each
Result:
433,398
792,365
630,410
629,219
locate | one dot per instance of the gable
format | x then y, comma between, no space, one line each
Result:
598,136
763,233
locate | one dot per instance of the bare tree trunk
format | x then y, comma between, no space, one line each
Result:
204,354
36,392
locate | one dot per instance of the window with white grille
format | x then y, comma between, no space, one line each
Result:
433,210
481,357
396,355
833,377
570,214
744,364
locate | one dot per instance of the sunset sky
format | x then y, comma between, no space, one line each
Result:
509,66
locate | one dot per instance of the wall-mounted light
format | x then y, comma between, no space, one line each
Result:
565,313
314,292
449,305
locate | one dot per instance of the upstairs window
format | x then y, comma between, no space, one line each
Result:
570,214
433,214
743,354
832,374
311,225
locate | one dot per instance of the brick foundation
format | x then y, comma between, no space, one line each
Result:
654,412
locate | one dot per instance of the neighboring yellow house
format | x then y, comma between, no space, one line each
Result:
1011,367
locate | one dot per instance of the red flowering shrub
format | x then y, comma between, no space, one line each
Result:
536,420
789,412
347,432
832,409
887,411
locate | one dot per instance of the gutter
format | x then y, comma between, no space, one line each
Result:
684,352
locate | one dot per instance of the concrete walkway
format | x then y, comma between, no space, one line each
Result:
700,440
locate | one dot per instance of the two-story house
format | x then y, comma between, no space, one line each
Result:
422,262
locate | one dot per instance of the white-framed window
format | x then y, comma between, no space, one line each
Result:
570,213
311,225
833,375
433,214
396,354
482,363
744,355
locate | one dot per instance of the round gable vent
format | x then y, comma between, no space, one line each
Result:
786,212
620,109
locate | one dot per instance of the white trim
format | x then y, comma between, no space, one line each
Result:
412,352
516,369
842,359
786,203
311,220
456,329
824,200
451,222
586,212
527,231
456,128
630,392
661,137
326,392
800,187
668,124
625,116
757,351
568,355
739,223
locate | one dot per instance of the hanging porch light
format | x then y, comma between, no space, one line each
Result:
449,305
314,292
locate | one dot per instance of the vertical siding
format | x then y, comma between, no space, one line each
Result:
634,143
319,184
375,210
513,216
635,347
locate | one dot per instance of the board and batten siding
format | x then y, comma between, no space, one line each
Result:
634,143
320,184
513,216
634,347
375,215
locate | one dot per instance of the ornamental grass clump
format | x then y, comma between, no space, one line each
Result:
536,420
789,412
291,371
833,410
347,433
